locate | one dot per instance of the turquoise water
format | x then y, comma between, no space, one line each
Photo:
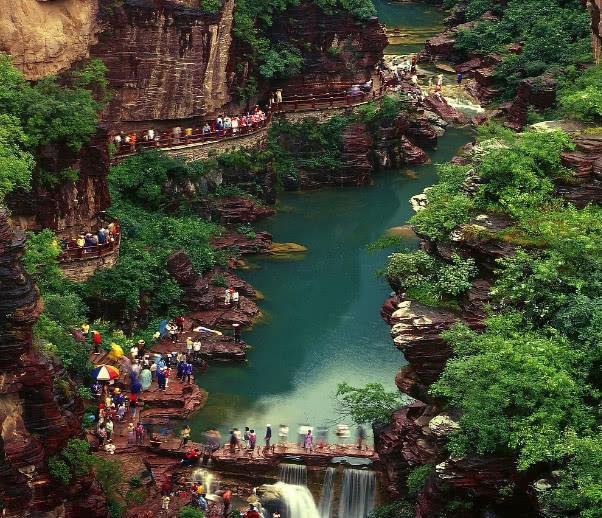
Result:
417,21
323,324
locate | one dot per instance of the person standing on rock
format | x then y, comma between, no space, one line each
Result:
165,503
187,371
236,299
361,437
279,96
245,437
308,442
227,497
227,297
133,402
268,435
236,328
459,78
196,347
184,435
96,340
252,440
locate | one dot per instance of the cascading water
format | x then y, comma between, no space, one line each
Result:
297,500
327,493
295,474
358,493
207,479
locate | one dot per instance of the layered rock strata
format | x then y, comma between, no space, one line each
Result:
39,410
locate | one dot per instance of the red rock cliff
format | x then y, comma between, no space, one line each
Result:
37,415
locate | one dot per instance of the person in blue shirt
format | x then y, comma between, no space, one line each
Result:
460,76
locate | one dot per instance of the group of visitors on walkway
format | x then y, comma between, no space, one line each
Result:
88,242
221,127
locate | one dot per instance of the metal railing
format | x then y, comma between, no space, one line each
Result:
89,252
291,104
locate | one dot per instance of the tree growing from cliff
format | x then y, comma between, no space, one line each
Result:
370,404
16,163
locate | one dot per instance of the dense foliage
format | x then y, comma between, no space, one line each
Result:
64,309
140,192
554,35
529,384
580,96
429,280
371,404
49,111
253,21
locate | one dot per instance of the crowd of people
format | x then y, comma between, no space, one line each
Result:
220,127
88,241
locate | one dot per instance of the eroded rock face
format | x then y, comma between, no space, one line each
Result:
39,410
586,163
72,207
166,61
595,7
45,38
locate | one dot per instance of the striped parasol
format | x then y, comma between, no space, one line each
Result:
105,373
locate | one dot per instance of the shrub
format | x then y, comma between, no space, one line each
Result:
191,512
59,469
417,478
581,97
370,404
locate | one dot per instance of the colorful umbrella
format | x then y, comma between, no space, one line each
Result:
105,373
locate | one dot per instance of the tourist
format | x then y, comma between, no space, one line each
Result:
236,299
308,442
196,350
139,433
187,134
146,378
172,329
227,498
165,503
252,512
238,436
439,82
235,122
109,428
252,439
96,389
136,368
176,133
245,437
202,502
166,375
361,437
206,129
102,238
131,431
184,435
121,412
117,141
161,376
236,328
282,434
459,78
101,433
279,96
180,369
268,435
180,323
189,346
96,340
153,370
219,124
190,458
187,371
227,297
414,79
232,442
133,398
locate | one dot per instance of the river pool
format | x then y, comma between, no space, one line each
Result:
322,324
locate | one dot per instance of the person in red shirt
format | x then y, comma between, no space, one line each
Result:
252,513
133,403
227,503
180,324
96,340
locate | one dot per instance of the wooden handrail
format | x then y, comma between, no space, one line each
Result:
89,252
290,103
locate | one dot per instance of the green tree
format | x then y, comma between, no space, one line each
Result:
370,404
16,164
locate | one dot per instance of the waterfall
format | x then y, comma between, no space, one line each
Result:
295,474
207,479
327,493
357,495
297,500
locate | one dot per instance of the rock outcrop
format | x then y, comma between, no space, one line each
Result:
165,61
595,7
47,37
39,410
586,163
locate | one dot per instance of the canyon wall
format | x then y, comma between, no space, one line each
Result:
595,7
165,61
46,37
39,410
